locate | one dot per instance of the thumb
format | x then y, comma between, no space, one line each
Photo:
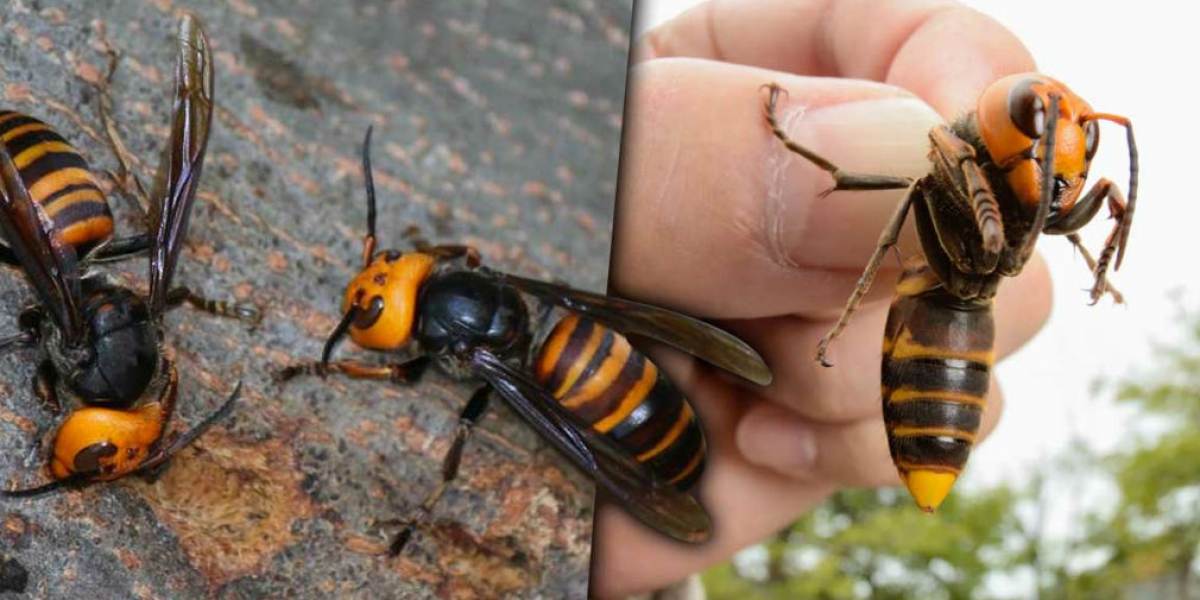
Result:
710,200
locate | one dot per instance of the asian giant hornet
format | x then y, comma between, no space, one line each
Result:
571,374
1003,174
104,340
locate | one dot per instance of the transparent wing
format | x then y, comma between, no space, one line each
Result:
179,169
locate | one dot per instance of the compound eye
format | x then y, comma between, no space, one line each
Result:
1027,110
90,460
366,318
1060,188
1091,133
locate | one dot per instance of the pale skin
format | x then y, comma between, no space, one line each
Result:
717,219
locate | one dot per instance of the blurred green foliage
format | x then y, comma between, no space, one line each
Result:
878,545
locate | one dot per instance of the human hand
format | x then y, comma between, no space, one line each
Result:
717,219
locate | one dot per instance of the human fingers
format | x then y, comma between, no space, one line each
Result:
717,218
746,503
842,393
851,454
943,51
628,558
780,466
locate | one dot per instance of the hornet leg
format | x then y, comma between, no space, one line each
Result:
843,180
125,178
466,422
45,386
406,372
1091,264
1087,206
887,240
449,251
242,311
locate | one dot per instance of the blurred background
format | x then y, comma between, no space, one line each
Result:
1090,487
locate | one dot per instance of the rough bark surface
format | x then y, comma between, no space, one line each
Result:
497,124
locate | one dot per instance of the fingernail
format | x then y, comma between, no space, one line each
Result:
885,135
773,437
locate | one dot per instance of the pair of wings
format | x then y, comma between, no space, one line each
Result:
644,494
51,264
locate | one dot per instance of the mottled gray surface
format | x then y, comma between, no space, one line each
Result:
497,124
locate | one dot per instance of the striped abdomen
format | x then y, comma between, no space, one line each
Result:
937,360
58,178
597,375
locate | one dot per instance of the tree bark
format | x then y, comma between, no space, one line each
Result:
497,124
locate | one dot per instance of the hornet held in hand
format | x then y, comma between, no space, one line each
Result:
1001,175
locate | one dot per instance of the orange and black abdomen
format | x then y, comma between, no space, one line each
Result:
595,373
59,179
937,360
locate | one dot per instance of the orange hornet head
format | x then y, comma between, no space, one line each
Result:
105,442
380,306
383,299
1012,116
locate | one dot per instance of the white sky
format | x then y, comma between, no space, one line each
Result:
1141,63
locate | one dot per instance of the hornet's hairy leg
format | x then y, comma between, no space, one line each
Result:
956,159
470,415
242,311
887,241
126,177
405,372
1093,267
843,180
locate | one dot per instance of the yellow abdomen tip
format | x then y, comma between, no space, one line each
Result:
929,488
